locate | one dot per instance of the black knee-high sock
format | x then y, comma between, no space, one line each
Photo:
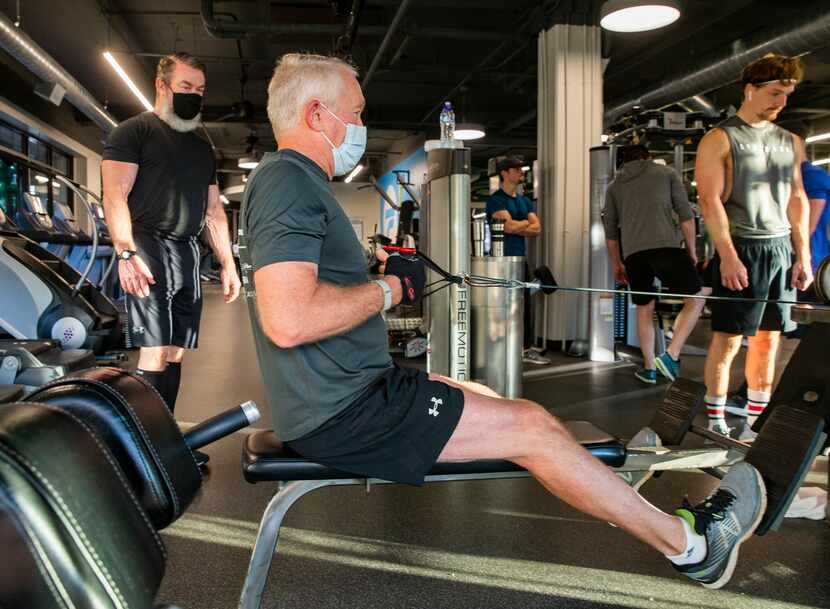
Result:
156,379
172,380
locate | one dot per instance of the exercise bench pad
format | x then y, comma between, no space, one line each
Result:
265,458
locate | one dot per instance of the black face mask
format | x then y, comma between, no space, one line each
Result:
187,105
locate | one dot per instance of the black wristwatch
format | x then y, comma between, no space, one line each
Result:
126,254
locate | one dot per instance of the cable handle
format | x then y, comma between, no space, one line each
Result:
413,252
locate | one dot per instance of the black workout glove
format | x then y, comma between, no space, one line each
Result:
412,274
374,266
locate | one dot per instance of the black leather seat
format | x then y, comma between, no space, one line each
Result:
266,459
134,423
72,531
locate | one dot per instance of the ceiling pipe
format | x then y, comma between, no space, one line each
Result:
346,40
25,50
699,103
390,33
807,35
528,18
524,118
399,53
225,29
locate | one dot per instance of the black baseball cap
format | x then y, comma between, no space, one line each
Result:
509,162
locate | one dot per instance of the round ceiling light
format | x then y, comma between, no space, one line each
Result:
468,131
247,162
638,15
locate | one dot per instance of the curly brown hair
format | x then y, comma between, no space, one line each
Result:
772,68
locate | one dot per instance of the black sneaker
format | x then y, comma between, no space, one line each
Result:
727,518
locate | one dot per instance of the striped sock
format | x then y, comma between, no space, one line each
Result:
757,401
715,406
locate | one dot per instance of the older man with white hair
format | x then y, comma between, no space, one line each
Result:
336,396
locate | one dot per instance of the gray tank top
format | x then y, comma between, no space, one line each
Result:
762,174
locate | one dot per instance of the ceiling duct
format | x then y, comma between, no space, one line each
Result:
699,103
809,34
25,50
231,29
390,33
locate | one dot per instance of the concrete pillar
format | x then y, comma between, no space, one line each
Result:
569,124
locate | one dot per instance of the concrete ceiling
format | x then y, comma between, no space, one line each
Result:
479,53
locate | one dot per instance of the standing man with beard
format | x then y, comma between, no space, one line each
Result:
756,210
160,192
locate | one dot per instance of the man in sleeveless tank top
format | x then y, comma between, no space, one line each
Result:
757,214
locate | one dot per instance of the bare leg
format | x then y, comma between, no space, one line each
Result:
645,332
525,433
175,354
722,350
760,360
686,322
152,359
465,385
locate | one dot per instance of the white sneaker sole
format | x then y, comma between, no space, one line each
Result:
664,370
733,555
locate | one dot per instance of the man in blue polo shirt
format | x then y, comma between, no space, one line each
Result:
817,185
520,220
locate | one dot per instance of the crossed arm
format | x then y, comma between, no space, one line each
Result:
525,228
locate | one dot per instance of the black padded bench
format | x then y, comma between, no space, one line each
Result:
265,459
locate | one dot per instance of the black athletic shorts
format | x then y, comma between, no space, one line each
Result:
769,265
671,265
395,430
170,315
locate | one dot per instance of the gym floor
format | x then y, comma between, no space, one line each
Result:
482,544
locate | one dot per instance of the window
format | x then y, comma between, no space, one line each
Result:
62,162
11,138
39,186
38,151
9,188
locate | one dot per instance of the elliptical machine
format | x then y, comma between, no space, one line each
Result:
44,297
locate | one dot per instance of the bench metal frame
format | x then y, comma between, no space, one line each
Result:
640,464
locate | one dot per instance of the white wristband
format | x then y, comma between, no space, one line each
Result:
387,293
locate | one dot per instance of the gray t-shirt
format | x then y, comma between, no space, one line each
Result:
762,175
643,202
289,213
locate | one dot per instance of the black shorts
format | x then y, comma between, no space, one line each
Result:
768,263
395,430
171,314
671,265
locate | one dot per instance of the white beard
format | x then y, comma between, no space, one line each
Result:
179,124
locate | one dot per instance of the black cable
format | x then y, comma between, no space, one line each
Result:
481,281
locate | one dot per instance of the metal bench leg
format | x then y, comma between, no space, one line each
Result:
266,540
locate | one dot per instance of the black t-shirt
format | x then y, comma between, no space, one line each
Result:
169,197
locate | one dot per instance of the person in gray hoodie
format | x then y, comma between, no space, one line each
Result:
640,209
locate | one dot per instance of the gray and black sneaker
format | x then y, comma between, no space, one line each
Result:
727,518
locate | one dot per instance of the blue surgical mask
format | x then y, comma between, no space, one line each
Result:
348,154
